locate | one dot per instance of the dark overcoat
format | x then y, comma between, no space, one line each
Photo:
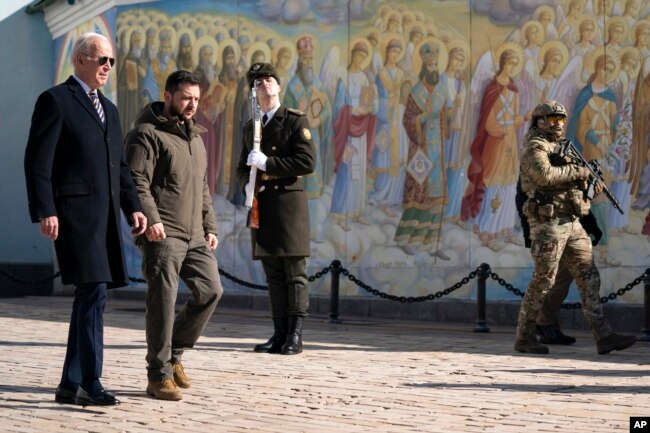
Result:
283,211
75,170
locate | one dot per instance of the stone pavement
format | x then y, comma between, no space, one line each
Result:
359,376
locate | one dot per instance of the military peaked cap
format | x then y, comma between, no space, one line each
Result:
260,70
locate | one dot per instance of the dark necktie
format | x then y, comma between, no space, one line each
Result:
95,100
264,119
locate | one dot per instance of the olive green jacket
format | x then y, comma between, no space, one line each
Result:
170,172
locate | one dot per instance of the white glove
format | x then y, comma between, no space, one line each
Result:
257,159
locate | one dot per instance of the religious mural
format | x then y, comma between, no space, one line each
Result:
417,110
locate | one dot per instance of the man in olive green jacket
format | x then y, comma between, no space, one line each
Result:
169,166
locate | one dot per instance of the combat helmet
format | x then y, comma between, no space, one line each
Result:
548,108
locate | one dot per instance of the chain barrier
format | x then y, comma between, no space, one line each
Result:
574,305
30,282
375,292
409,299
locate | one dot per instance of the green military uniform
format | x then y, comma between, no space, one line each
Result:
282,240
555,202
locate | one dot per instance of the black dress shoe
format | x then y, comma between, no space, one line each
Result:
64,396
100,398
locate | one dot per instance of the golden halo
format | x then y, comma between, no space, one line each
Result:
176,23
284,43
259,46
394,15
584,18
635,52
590,62
617,20
544,8
216,30
414,26
172,37
443,57
144,21
202,42
387,38
464,46
559,45
315,42
127,38
408,14
200,30
513,47
599,3
432,31
366,42
636,27
529,24
230,42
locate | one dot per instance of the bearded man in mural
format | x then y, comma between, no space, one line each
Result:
304,92
226,88
425,185
128,81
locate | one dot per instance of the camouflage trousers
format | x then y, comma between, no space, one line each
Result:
562,240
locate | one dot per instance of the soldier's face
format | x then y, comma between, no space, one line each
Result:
554,124
184,101
268,86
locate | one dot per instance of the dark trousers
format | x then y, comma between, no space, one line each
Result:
168,333
287,283
85,352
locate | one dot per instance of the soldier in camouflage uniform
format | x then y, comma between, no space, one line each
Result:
555,202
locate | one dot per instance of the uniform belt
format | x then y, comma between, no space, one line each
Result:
267,177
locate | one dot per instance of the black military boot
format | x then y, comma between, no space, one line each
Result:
548,334
293,345
274,344
614,342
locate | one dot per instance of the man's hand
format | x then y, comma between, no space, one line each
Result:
139,221
155,233
257,159
583,173
50,227
212,241
598,188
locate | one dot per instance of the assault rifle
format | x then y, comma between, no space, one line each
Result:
567,148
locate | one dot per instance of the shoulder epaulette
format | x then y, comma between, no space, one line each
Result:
296,112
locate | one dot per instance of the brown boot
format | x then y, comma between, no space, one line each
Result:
614,342
530,346
164,390
180,377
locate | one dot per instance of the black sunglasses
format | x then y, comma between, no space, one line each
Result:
102,60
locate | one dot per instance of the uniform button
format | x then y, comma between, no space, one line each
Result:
275,187
273,148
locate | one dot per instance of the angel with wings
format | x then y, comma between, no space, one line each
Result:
639,164
355,109
618,157
489,199
593,125
454,80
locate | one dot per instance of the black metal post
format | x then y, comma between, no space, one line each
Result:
334,292
481,322
646,307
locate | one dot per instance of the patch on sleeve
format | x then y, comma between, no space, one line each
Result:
307,133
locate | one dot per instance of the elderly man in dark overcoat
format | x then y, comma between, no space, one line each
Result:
77,181
282,240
